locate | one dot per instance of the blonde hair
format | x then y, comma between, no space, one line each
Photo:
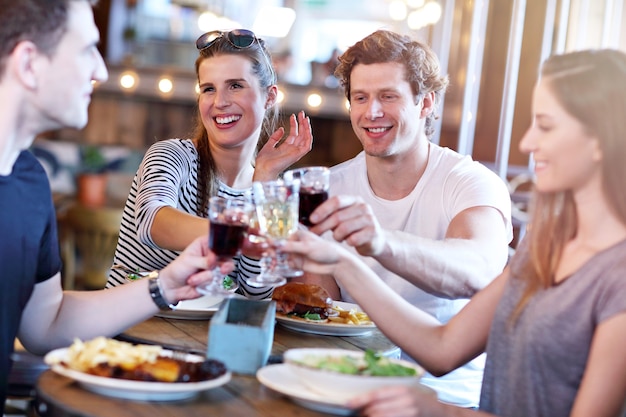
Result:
591,86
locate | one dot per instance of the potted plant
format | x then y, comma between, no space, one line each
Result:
91,180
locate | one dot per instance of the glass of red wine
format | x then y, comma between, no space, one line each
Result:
229,219
314,184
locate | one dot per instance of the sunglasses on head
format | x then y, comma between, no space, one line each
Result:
239,38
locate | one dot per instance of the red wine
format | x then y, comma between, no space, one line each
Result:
226,239
309,200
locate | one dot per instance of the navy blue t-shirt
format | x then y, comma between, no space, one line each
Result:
29,248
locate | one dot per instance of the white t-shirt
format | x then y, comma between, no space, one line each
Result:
450,184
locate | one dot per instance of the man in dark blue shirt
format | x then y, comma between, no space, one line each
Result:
48,61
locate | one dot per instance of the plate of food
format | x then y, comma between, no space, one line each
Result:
136,372
342,374
134,274
200,308
282,379
308,308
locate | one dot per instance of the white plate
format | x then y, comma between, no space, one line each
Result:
338,385
135,390
282,380
330,328
200,308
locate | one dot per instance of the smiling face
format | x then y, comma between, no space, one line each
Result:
566,156
64,80
232,104
383,111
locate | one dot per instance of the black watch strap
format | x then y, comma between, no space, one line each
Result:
157,294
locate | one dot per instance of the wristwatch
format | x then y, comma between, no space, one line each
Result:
157,294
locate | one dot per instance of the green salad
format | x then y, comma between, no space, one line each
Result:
133,276
228,283
372,364
308,316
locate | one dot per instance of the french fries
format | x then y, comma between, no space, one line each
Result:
110,358
83,356
352,316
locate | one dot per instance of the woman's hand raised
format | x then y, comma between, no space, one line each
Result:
278,155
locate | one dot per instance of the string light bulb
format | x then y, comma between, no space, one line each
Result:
415,4
314,100
129,80
397,10
428,14
165,85
418,13
280,96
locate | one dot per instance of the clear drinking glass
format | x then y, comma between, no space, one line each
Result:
276,204
256,245
229,219
314,184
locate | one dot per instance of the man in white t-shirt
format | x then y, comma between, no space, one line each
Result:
433,224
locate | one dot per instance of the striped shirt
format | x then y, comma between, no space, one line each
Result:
168,176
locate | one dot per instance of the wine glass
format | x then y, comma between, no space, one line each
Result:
256,245
276,204
229,219
314,184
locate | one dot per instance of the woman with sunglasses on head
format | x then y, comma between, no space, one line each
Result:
236,142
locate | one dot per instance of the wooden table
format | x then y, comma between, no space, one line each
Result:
192,335
244,396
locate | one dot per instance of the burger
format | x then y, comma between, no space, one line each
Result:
306,301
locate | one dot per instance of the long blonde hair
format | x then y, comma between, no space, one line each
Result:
591,86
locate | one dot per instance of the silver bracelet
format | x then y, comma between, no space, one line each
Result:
156,293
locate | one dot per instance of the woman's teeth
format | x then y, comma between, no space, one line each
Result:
225,120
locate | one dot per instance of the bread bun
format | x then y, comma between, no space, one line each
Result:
300,298
299,292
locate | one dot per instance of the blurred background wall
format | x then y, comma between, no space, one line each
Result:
491,50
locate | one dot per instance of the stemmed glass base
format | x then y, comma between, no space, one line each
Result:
220,285
267,278
282,267
276,275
